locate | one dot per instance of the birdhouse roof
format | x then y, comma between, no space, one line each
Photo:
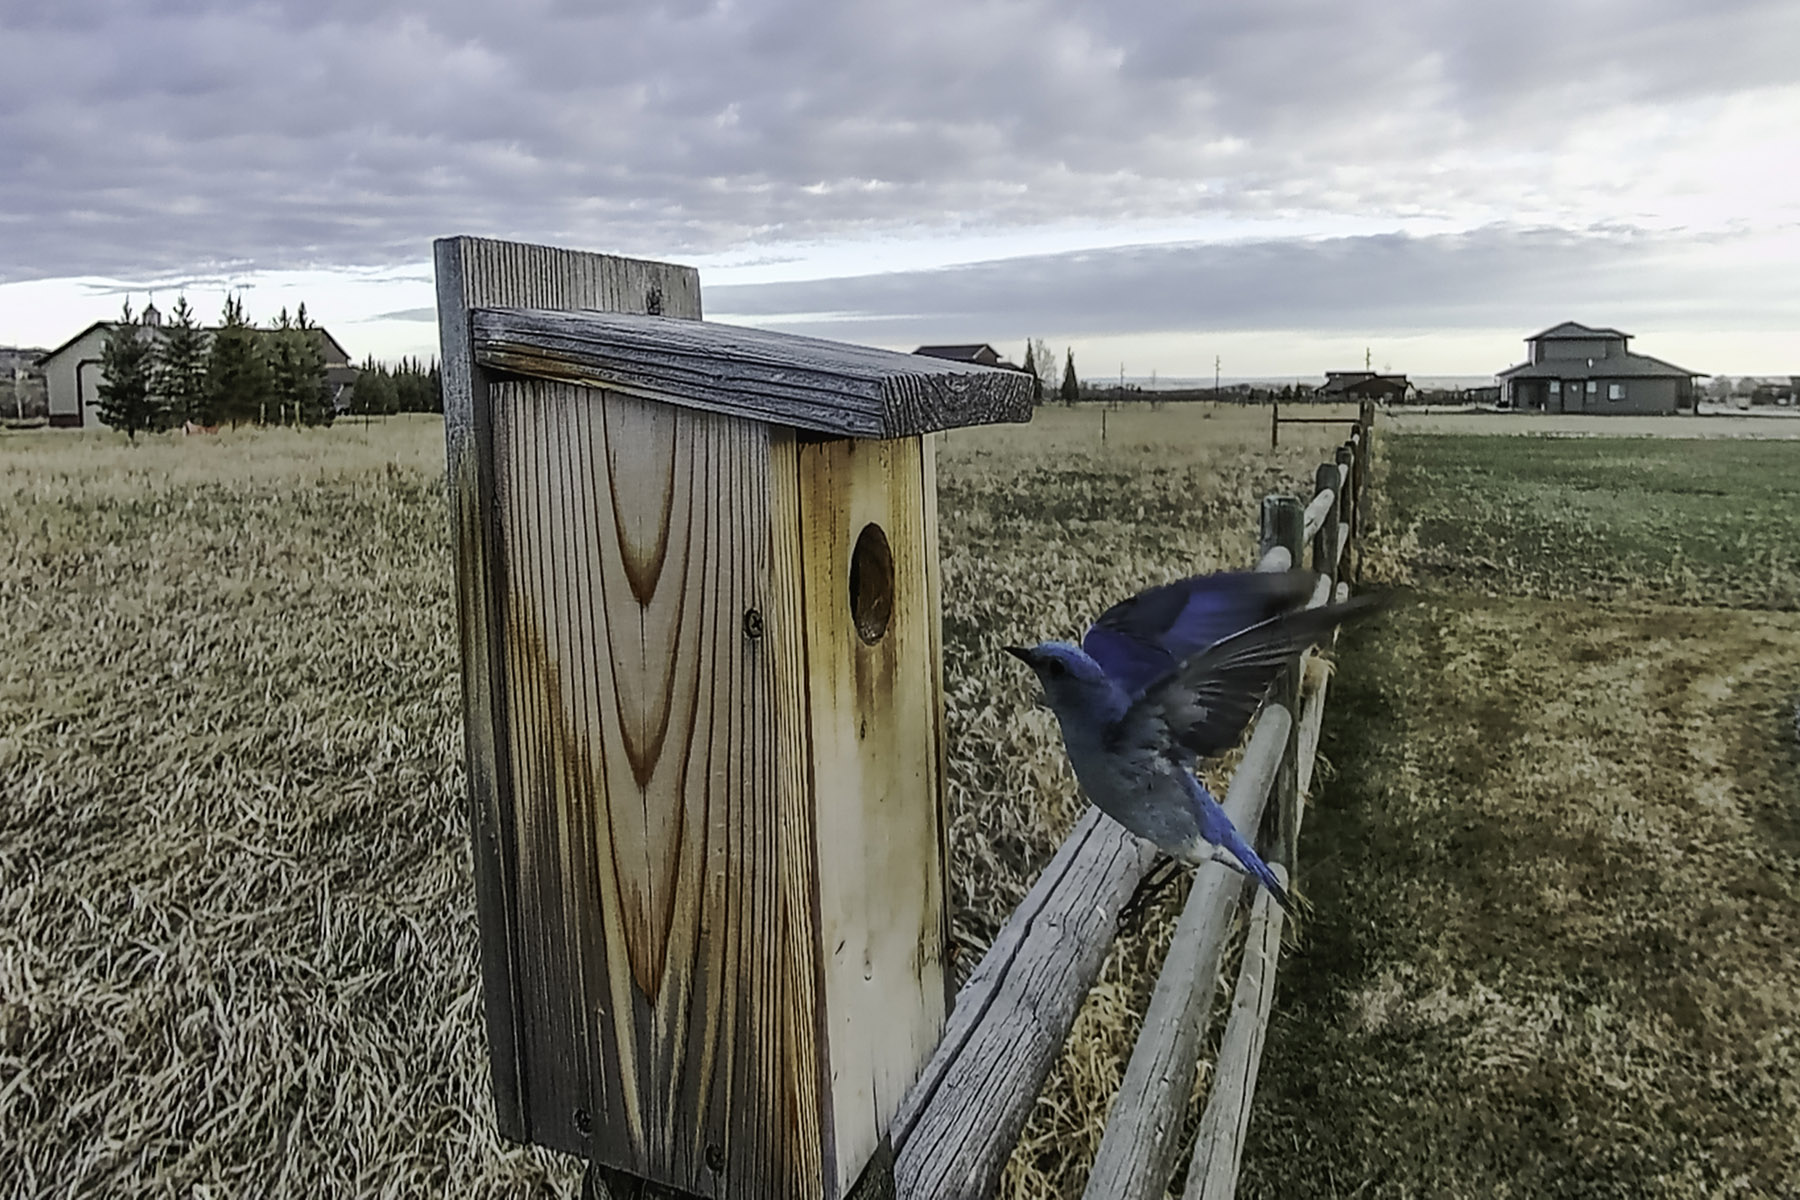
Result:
781,378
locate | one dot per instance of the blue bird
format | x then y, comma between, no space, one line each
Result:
1171,676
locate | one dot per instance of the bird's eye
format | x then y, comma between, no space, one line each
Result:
1056,669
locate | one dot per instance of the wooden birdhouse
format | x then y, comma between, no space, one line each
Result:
697,573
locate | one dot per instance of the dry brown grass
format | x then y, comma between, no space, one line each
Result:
237,953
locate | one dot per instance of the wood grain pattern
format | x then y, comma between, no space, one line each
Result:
959,1123
660,971
1283,530
877,774
472,272
1315,680
1138,1150
1219,1146
806,383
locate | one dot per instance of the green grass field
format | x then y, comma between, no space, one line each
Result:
1557,866
1702,521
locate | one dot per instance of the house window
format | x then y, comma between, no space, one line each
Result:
1592,387
1556,387
1615,391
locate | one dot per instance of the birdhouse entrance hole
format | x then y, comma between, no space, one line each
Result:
871,584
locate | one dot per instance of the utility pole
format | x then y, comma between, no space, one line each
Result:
1366,358
1215,379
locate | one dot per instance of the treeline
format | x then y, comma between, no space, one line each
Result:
409,386
161,377
1040,364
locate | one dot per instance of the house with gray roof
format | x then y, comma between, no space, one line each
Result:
1579,368
972,352
1365,385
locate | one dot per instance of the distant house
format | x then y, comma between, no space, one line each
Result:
1577,368
72,373
1363,385
980,353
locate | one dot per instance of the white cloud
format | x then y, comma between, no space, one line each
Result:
147,142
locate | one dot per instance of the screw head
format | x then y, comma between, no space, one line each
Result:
583,1121
715,1158
753,624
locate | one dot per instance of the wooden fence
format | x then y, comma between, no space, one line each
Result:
681,545
958,1125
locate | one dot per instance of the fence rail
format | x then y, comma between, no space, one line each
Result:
958,1125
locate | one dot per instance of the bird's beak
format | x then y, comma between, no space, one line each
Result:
1022,654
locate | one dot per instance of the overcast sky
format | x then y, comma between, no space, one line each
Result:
1275,184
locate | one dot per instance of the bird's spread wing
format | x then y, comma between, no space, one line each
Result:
1139,640
1201,706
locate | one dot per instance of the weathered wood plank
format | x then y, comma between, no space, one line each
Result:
660,972
1323,505
1219,1146
959,1123
1283,527
873,687
472,272
806,383
1138,1150
1316,678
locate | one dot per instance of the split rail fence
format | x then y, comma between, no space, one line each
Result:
958,1125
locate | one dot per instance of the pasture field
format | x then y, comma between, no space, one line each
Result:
1557,867
237,947
1769,424
1692,522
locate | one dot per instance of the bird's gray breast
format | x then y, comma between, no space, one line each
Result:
1142,791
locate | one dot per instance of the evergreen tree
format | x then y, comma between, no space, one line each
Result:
1071,387
1031,369
312,396
375,394
297,386
126,401
180,371
283,356
237,376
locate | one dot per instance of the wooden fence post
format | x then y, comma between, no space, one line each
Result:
1284,525
1274,424
1364,451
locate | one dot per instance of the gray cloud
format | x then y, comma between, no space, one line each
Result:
1495,278
182,137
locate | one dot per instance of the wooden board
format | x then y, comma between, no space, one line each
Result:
665,961
878,781
805,383
472,272
959,1123
1138,1150
1225,1124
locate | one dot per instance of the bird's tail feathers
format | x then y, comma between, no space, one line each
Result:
1258,869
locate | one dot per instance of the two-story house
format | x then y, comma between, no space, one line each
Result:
1576,368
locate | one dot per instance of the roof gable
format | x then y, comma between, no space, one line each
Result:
1617,366
329,346
1575,330
968,352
